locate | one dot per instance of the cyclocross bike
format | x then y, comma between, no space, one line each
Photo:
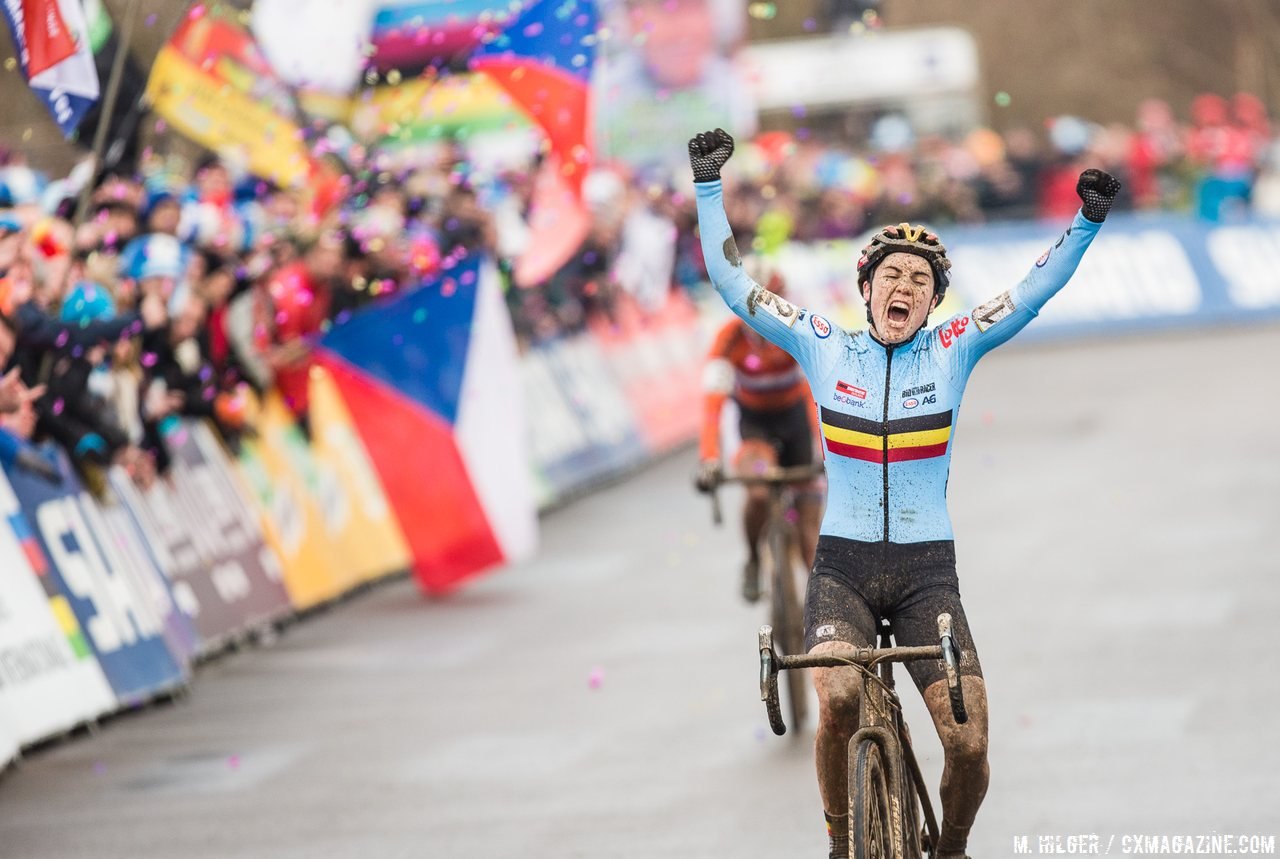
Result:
781,544
887,794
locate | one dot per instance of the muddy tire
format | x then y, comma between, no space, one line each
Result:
870,824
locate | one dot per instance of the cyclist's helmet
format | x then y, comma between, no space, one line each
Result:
905,238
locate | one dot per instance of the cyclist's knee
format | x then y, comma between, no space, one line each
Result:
838,692
838,704
965,744
758,495
965,748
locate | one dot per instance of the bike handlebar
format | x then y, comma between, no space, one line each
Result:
866,657
773,476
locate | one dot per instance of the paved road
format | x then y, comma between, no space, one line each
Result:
1117,556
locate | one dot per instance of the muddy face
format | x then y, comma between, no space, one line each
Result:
900,296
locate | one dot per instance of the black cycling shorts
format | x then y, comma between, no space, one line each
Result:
855,585
788,431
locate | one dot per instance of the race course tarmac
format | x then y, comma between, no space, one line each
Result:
1116,505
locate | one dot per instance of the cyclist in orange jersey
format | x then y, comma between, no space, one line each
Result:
775,422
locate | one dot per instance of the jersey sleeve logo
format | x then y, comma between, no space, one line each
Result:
986,315
780,309
948,333
821,327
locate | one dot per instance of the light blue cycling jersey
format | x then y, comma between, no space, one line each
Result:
887,414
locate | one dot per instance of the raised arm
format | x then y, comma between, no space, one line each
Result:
772,317
967,337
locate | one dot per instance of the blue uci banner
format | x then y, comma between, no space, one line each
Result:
1142,272
583,428
119,619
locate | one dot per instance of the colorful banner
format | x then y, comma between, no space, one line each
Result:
608,439
431,382
657,359
125,549
49,679
292,521
245,574
213,84
120,624
432,107
368,535
206,542
409,34
319,484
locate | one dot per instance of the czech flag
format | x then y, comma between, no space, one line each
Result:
431,378
52,43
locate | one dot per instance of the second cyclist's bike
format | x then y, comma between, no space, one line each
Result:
889,811
783,564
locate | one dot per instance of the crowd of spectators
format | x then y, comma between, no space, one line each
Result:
183,290
181,294
1223,163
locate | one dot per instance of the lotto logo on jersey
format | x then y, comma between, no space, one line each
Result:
949,333
821,327
850,390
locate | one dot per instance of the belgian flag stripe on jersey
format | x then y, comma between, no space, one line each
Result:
917,437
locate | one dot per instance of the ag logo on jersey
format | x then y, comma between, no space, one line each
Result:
1044,258
821,327
986,315
912,402
780,309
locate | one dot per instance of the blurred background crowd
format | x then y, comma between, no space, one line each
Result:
173,283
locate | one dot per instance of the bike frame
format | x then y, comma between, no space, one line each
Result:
880,710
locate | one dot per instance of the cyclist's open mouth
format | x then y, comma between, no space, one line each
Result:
899,311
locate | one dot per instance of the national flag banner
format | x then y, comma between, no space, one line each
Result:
53,47
431,381
45,41
543,59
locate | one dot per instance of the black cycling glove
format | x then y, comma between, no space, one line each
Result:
707,153
1097,189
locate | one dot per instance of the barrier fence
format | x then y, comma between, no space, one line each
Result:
107,601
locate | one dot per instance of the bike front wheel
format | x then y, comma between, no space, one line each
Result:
788,623
870,823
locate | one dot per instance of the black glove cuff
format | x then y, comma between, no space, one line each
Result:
1096,205
705,168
